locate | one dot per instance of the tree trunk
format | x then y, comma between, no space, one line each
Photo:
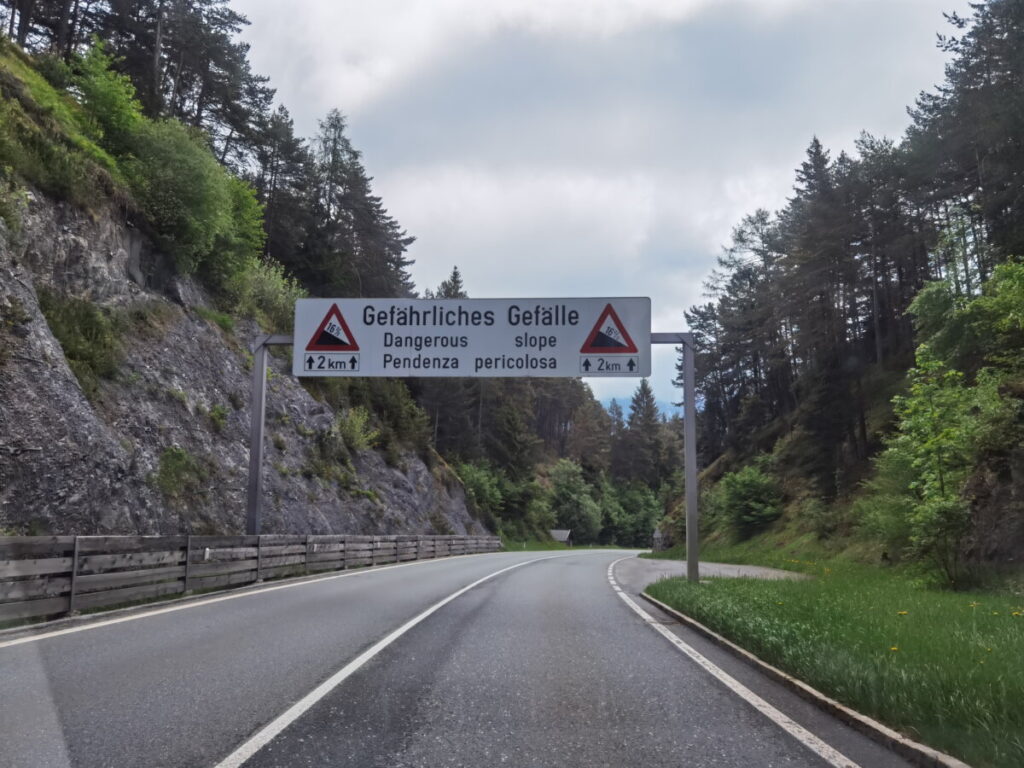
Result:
63,27
25,20
155,97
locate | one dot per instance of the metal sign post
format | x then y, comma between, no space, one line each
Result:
258,414
588,334
689,446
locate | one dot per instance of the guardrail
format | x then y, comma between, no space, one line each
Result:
52,575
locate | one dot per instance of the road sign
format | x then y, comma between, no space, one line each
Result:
473,337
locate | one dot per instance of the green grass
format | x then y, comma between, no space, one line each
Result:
46,140
943,667
784,550
181,477
222,320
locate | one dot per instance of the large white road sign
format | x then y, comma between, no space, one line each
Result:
472,337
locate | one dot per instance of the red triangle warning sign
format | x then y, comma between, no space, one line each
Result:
609,336
333,335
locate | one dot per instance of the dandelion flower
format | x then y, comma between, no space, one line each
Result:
894,648
902,613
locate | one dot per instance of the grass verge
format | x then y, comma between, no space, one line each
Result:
942,667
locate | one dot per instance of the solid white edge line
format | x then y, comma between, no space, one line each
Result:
272,729
828,753
232,596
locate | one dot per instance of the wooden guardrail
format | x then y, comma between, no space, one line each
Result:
51,575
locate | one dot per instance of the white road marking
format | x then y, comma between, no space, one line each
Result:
263,736
221,598
831,755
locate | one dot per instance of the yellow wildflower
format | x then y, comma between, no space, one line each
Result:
902,613
894,648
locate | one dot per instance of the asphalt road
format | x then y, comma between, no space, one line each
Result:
542,664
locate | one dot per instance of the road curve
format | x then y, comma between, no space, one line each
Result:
541,664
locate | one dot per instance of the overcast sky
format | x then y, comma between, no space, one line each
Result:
593,147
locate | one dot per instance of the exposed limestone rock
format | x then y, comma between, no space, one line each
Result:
68,465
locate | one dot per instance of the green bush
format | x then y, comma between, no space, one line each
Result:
572,503
356,430
239,241
87,334
260,289
108,98
181,189
885,509
180,476
55,70
641,512
749,499
483,493
218,417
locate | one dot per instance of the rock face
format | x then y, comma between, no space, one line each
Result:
162,447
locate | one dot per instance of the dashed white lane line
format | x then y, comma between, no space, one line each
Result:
263,737
220,599
829,754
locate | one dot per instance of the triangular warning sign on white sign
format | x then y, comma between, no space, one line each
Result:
333,335
609,336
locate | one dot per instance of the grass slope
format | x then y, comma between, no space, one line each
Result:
947,668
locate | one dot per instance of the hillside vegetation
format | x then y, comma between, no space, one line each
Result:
861,357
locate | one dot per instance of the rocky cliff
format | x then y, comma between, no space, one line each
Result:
160,445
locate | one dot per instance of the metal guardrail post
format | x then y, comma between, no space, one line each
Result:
74,579
188,559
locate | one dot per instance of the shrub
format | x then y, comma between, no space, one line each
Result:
239,240
55,70
483,493
885,509
572,503
261,289
354,427
749,499
88,336
218,417
114,114
181,475
181,189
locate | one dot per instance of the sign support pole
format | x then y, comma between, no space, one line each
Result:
257,417
689,447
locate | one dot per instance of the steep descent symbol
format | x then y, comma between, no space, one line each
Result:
609,336
333,335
